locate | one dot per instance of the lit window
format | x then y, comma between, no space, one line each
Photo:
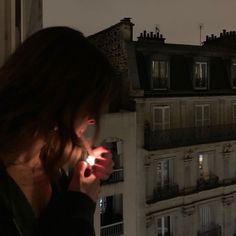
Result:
164,226
160,74
200,75
164,170
103,205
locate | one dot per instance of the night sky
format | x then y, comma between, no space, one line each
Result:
178,20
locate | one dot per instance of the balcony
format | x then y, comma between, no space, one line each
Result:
172,138
116,176
112,229
212,231
164,192
208,183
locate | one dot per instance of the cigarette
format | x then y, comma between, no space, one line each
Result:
91,158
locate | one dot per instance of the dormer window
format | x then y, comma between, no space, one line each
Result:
201,75
159,74
233,74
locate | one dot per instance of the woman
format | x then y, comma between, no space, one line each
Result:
54,86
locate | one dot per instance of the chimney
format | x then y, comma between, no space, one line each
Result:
151,37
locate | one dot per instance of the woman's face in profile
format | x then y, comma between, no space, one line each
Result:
81,127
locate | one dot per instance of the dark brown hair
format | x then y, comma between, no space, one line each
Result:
55,77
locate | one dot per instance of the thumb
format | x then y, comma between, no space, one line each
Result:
84,169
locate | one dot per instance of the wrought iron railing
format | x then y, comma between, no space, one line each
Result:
164,192
113,229
211,231
116,176
171,138
208,183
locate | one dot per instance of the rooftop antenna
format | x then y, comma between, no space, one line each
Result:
157,28
201,25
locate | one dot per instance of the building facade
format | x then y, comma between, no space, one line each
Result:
184,97
117,205
18,19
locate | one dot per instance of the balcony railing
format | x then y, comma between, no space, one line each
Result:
212,231
171,191
208,183
116,176
164,192
113,229
161,139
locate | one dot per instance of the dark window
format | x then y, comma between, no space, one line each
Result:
160,74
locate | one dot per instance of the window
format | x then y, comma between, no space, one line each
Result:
206,164
164,226
116,147
202,115
111,209
200,75
164,173
203,165
233,74
161,117
160,74
205,218
234,112
18,21
103,205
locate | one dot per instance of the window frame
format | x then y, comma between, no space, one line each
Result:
201,61
196,120
163,220
165,125
160,59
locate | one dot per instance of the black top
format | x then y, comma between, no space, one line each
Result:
68,213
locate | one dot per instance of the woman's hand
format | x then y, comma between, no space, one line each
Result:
103,166
90,183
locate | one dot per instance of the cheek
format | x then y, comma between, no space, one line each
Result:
80,127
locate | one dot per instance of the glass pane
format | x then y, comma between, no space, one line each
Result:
197,70
158,115
163,69
234,74
155,69
206,112
204,70
167,114
198,113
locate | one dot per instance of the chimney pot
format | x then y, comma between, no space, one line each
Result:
144,33
224,32
161,36
126,19
151,34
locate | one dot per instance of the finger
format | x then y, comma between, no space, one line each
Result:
101,172
98,151
81,168
101,175
106,162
